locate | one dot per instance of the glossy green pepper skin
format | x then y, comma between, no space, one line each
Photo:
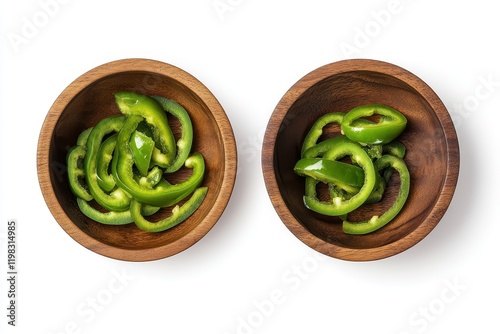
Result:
111,217
179,213
163,194
345,176
186,140
76,171
324,146
131,103
117,199
376,222
374,153
388,128
338,205
343,179
142,149
104,157
116,169
317,129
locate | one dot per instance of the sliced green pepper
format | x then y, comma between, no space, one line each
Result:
376,222
389,126
163,194
104,157
155,175
324,146
317,129
131,103
112,217
394,148
142,148
83,137
345,176
179,213
344,180
76,172
123,159
117,199
186,140
340,206
378,190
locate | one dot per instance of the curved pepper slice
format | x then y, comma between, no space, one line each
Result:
376,222
345,176
131,103
117,199
179,213
344,180
163,194
186,140
76,172
317,129
83,137
104,157
378,190
389,126
324,146
340,206
394,148
112,217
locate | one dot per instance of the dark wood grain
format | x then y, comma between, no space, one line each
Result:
432,156
89,99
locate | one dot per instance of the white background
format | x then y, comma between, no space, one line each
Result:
249,274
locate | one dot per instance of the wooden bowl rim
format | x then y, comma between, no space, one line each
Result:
268,159
229,145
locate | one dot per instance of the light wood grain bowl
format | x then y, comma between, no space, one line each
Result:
89,99
432,156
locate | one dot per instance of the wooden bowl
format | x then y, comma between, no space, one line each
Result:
432,156
89,99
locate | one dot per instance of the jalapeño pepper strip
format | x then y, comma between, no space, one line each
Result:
76,173
324,146
104,157
186,140
389,126
344,180
345,176
396,149
112,217
163,194
317,129
339,206
83,137
378,191
116,200
375,222
179,214
131,103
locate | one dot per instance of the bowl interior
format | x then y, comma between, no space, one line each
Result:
94,102
426,158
